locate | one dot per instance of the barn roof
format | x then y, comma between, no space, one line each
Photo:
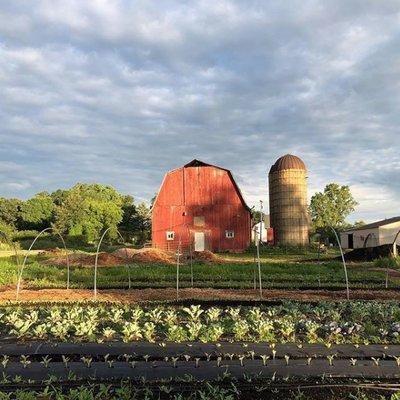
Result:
376,224
198,163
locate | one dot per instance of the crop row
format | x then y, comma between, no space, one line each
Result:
356,322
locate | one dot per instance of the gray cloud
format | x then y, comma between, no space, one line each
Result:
120,92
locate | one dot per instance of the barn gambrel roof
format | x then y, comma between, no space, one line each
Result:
198,163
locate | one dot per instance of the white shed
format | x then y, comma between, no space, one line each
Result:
372,235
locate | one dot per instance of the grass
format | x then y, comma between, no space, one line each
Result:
238,274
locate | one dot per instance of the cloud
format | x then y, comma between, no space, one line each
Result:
120,92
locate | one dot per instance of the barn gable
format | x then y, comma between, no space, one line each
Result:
198,163
200,204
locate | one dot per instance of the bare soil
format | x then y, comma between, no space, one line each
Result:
127,255
139,295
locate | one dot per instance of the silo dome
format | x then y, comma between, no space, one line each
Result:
288,161
288,201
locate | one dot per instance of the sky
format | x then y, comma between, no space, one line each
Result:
119,92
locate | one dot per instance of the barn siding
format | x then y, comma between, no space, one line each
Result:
200,191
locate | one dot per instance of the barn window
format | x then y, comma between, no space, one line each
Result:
199,221
170,235
229,234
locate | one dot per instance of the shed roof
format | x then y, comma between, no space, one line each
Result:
376,224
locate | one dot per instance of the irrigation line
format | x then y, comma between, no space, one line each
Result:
344,263
29,250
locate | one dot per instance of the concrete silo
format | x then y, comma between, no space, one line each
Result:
288,201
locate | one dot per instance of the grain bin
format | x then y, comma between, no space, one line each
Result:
288,201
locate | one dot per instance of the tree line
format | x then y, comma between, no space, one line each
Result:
85,211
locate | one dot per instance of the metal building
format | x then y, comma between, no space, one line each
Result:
200,205
288,201
375,234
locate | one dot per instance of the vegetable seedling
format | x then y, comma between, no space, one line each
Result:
241,358
174,361
5,360
397,359
65,360
264,359
330,359
87,361
376,361
46,361
25,361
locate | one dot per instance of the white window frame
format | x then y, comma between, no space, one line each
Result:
230,234
170,235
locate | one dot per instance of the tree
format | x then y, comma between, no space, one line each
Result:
10,211
331,207
59,196
89,209
37,212
136,220
142,222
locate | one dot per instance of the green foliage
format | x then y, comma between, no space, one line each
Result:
83,211
10,211
89,209
280,273
387,262
136,220
37,212
6,229
293,322
331,207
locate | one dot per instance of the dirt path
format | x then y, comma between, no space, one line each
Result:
138,295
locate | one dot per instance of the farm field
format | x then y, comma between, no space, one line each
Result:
302,340
225,271
169,351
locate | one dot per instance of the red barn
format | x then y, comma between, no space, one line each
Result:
200,206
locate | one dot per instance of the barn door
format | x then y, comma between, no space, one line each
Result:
199,241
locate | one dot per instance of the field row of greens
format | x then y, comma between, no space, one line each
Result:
125,391
234,275
356,322
201,391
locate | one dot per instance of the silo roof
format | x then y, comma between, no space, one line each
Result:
288,161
